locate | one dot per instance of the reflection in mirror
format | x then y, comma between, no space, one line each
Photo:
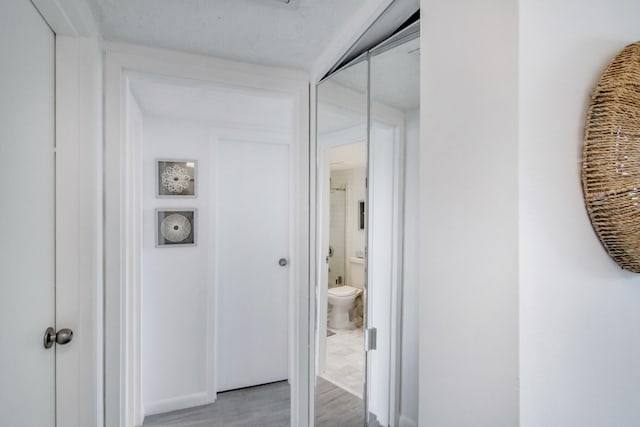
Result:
367,239
342,158
392,240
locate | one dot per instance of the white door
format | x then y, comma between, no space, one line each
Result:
27,263
252,288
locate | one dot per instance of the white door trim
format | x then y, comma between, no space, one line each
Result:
119,327
79,242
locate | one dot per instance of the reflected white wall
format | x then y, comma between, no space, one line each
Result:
411,264
381,252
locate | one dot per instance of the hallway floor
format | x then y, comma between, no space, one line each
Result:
265,406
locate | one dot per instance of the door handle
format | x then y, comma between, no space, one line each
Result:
63,336
283,262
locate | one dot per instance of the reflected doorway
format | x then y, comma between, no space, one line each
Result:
344,359
342,170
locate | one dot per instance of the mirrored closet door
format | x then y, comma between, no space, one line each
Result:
367,120
341,190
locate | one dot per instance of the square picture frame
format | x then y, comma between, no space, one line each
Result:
176,178
175,227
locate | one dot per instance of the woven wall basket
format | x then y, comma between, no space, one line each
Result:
611,158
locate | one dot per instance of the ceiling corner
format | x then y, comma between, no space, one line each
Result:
68,17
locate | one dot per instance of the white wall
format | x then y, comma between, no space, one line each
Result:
411,263
175,279
579,312
469,211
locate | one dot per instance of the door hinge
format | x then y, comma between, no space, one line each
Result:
370,338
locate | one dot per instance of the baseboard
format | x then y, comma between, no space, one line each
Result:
175,403
407,422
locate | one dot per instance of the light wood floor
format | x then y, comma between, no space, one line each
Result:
266,406
336,407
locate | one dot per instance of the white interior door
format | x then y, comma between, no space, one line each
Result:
27,263
252,288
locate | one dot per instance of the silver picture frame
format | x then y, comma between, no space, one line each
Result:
176,178
175,227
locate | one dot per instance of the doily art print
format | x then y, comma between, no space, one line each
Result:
176,178
175,227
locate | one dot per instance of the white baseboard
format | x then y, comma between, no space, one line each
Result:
407,422
175,403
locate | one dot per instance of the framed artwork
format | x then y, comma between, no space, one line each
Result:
175,227
176,178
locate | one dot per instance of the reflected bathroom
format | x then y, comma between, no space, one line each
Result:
345,360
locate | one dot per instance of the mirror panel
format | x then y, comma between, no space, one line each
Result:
368,132
394,94
341,173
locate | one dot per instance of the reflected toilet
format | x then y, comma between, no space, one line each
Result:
342,298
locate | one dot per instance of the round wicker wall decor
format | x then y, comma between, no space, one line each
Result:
611,158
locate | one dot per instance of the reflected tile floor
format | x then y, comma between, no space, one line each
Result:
345,360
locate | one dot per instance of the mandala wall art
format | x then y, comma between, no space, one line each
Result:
175,227
176,178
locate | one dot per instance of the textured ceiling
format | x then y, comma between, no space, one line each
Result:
268,32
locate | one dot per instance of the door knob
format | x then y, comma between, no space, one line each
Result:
283,262
63,336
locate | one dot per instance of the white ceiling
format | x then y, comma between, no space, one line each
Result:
268,32
332,118
348,156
